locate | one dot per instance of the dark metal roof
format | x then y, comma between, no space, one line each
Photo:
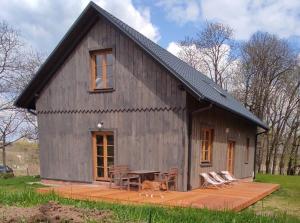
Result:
196,82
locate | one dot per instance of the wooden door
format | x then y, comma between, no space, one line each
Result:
230,156
103,154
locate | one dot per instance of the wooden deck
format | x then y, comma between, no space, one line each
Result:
236,197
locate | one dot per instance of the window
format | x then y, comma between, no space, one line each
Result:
207,140
247,150
102,70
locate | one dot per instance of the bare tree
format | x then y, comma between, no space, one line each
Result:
30,62
17,67
24,75
290,144
264,59
215,43
211,52
269,87
285,101
9,62
294,152
11,130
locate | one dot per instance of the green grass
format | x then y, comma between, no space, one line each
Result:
16,192
286,199
18,184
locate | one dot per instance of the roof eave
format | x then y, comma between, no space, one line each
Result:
257,123
27,98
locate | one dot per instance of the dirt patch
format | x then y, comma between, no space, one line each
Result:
52,213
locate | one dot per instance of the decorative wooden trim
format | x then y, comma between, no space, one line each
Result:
112,110
112,130
105,166
97,48
96,91
101,51
247,152
206,125
94,155
206,164
93,74
103,66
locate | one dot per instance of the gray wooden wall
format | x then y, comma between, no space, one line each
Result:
146,111
239,131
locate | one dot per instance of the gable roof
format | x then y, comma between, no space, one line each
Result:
196,82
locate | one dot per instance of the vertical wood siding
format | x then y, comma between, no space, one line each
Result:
146,111
239,130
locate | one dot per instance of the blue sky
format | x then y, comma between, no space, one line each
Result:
169,30
42,23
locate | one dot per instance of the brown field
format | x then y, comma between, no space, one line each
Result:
23,158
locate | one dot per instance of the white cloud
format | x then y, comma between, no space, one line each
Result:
200,61
181,11
190,54
139,19
174,48
186,52
244,16
43,23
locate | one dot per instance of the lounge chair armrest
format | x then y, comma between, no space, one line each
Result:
133,177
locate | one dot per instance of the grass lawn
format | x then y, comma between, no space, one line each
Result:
15,192
285,200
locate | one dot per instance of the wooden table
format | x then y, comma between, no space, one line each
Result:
144,171
144,175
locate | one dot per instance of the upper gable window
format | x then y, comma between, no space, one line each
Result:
102,70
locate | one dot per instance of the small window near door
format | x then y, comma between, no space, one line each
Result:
102,70
206,147
247,151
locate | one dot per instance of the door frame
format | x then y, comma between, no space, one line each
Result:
94,152
229,142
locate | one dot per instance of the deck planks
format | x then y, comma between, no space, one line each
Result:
235,198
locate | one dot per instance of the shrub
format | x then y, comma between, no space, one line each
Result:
6,175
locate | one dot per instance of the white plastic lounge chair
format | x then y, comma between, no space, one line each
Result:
228,176
208,181
218,178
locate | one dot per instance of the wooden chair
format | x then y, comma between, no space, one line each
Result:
226,175
116,174
169,177
218,178
210,182
120,175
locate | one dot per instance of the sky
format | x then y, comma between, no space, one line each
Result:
42,23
